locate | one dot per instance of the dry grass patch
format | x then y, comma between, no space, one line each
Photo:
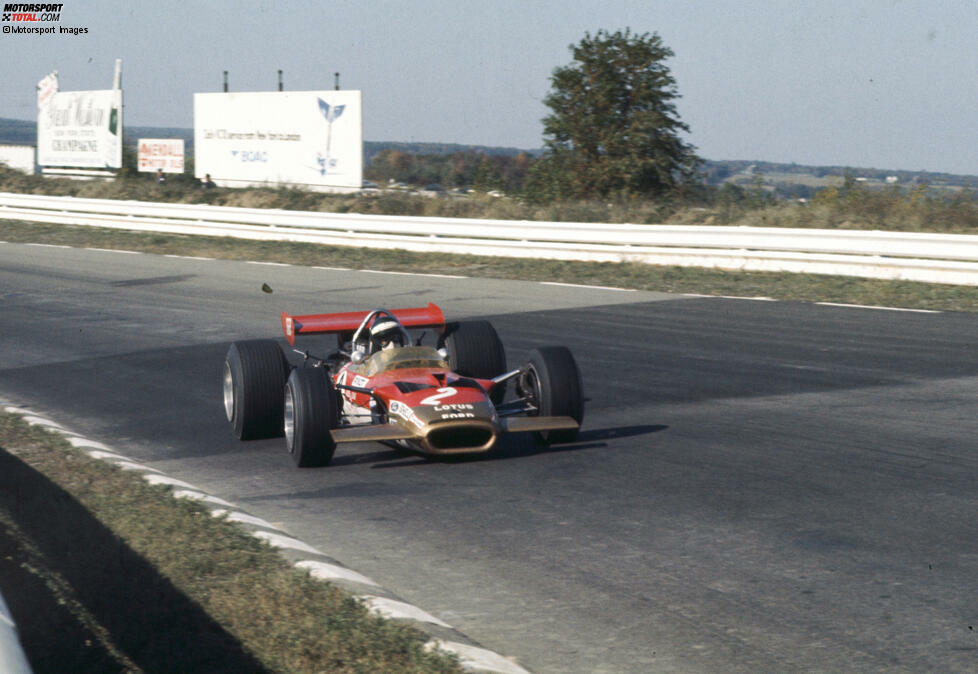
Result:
104,572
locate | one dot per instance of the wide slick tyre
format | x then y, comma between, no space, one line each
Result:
475,350
551,381
255,372
310,412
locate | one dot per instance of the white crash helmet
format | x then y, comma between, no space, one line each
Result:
386,334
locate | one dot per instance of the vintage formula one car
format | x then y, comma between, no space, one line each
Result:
382,384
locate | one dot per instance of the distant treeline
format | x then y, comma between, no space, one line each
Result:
505,169
718,171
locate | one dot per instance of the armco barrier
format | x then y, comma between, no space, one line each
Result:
12,658
936,258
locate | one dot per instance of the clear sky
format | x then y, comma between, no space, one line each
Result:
890,84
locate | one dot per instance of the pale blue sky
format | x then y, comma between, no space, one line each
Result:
870,83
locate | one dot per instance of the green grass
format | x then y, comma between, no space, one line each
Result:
104,572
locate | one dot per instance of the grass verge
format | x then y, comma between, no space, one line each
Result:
106,573
783,286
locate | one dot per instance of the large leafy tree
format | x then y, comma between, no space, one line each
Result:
614,129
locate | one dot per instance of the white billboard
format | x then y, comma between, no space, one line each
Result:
311,139
160,153
18,157
80,129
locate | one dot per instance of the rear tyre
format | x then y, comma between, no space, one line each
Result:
475,350
551,381
254,378
310,412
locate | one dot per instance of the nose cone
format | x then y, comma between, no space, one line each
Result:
452,428
460,437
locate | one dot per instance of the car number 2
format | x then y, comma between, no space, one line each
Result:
446,392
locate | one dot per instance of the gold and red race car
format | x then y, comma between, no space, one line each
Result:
382,384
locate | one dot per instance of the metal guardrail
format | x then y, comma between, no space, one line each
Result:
12,658
938,258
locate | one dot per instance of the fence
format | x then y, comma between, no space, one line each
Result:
935,258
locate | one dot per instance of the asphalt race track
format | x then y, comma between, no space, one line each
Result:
759,486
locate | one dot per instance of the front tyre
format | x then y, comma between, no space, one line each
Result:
310,412
551,382
475,350
254,377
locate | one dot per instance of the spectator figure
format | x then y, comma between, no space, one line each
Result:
160,178
207,183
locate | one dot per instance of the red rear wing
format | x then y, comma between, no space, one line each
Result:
312,324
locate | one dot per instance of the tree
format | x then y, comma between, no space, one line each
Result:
614,127
487,176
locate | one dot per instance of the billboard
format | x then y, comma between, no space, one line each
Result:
80,129
312,139
160,153
18,157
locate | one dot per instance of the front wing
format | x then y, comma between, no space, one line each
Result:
380,432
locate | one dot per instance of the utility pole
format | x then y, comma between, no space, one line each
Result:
336,82
280,80
225,81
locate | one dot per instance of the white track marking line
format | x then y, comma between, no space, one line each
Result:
407,273
46,245
590,287
751,299
115,250
269,264
190,257
870,306
732,297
